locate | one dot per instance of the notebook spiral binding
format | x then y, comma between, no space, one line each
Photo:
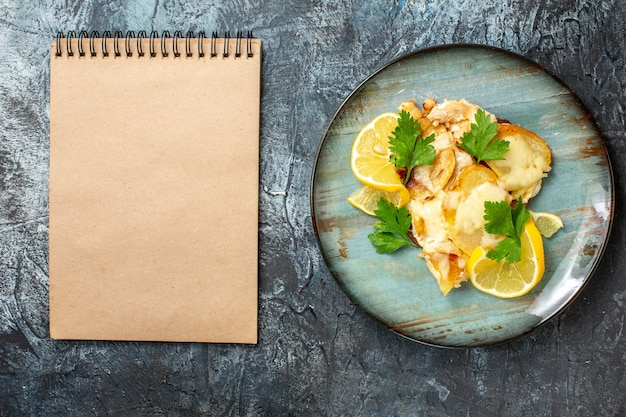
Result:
167,43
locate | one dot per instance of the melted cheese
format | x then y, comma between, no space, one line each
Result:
522,174
434,236
471,210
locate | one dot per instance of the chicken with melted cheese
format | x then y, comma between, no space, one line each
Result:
447,197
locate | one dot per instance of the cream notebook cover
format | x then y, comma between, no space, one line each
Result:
154,146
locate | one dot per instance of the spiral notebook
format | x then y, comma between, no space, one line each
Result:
154,144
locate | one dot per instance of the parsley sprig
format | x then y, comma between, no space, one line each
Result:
481,142
408,148
503,219
391,231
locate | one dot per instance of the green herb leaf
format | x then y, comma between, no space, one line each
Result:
386,242
481,142
502,219
508,249
520,216
408,148
499,218
391,231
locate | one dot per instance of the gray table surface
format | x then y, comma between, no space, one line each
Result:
317,354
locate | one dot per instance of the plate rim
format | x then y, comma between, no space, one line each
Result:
443,47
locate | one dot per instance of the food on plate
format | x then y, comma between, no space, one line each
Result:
547,223
522,174
366,199
457,181
509,280
370,160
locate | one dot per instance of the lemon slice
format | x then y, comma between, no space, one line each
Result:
366,199
370,157
547,223
506,280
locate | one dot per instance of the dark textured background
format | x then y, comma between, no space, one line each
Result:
317,354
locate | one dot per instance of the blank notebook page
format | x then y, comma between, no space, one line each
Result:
154,191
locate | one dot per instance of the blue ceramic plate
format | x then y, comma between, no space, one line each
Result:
397,289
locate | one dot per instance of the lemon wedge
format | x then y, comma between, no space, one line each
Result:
547,223
370,157
505,280
366,199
